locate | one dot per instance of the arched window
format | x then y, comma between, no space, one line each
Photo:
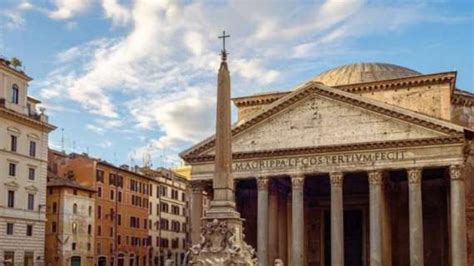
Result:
74,208
90,210
15,94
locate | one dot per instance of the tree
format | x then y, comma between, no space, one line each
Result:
15,62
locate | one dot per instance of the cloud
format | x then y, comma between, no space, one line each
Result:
119,14
65,9
95,129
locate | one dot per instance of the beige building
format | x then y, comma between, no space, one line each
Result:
168,215
70,223
23,158
364,164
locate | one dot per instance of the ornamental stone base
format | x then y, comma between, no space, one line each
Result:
222,239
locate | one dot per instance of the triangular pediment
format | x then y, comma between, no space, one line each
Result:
12,185
317,116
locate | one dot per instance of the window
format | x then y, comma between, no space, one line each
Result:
11,199
74,228
175,209
112,179
13,143
12,169
119,219
99,212
99,230
31,202
164,224
183,197
119,196
90,210
74,208
174,194
32,148
111,231
53,227
55,207
9,228
31,173
119,239
15,94
112,194
73,247
100,176
99,192
164,207
89,246
89,229
9,256
164,191
74,192
29,230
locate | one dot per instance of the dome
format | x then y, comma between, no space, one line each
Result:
363,72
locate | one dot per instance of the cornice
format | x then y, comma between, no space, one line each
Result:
335,148
414,81
26,120
321,90
464,98
17,73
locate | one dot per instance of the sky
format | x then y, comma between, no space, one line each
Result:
134,81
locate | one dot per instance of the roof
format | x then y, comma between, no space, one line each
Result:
64,182
362,73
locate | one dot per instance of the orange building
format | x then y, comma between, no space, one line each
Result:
121,209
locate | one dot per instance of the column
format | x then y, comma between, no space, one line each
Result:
375,223
458,217
196,211
289,227
297,220
273,224
337,219
415,216
262,221
282,224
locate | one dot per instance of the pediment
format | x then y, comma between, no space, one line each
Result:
31,188
12,185
318,116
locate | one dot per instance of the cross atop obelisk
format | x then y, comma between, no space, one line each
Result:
224,52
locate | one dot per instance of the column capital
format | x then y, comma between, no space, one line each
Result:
262,182
375,177
414,175
336,178
455,172
297,181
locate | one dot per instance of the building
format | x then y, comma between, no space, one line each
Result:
70,223
121,209
23,156
363,164
169,212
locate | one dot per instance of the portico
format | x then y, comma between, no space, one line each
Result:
327,177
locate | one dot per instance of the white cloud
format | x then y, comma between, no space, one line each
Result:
95,129
119,14
65,9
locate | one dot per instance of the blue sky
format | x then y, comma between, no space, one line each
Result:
132,79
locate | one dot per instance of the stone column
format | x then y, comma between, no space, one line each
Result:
282,224
416,216
458,217
273,224
196,211
262,221
375,209
337,219
297,220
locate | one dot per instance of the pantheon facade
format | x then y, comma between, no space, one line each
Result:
364,164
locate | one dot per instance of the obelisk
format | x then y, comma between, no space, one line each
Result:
222,234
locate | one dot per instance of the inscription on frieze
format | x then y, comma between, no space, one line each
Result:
320,160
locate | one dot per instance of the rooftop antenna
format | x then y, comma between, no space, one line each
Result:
62,140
